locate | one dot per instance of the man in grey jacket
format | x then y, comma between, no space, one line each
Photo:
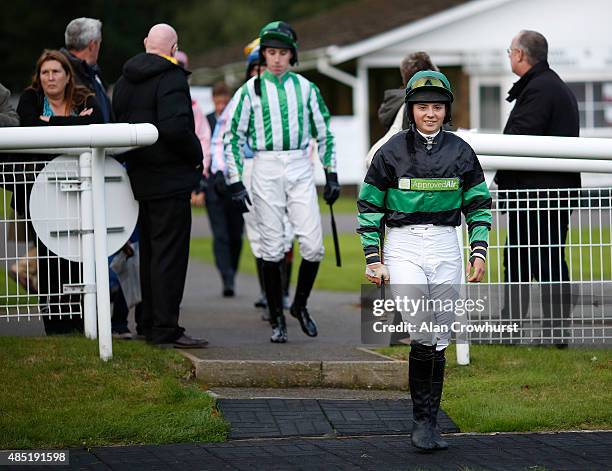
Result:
8,116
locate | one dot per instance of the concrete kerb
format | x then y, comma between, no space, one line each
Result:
387,374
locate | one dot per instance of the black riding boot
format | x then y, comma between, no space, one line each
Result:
261,302
274,294
420,369
306,278
287,268
437,381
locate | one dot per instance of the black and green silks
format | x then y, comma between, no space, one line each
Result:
427,186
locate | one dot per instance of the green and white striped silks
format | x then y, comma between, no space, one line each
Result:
287,115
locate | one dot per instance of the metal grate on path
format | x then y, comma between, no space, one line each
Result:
277,418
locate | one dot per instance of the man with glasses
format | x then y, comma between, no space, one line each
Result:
545,106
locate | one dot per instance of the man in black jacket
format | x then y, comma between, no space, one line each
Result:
545,106
154,89
83,39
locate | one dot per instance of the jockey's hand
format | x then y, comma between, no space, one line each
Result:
475,270
240,197
375,272
332,188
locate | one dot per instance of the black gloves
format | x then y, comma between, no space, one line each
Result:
240,197
202,186
219,183
332,188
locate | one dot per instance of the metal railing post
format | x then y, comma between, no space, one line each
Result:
105,338
463,349
88,251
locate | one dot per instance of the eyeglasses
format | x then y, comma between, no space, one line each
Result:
510,49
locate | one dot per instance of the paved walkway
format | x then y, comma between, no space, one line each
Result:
546,451
283,418
235,329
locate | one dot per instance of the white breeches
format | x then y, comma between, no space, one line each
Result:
424,261
283,190
250,218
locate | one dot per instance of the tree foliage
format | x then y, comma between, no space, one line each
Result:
28,27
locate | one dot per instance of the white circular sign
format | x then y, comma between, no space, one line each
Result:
55,207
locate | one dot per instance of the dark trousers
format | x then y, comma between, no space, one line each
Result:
226,224
165,226
535,249
119,319
53,273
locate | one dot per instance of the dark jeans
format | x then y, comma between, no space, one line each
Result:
535,249
226,224
53,273
165,226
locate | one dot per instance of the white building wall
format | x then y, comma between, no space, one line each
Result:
570,27
578,33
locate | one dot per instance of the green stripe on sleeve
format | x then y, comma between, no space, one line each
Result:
480,191
480,215
370,238
235,143
479,233
251,133
370,219
371,194
329,148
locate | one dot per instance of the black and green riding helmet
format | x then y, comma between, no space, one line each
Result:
278,34
429,86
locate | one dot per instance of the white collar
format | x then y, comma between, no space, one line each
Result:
428,136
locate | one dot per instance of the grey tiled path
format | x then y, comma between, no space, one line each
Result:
547,451
281,418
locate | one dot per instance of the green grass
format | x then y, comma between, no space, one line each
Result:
592,261
5,206
344,205
526,389
11,294
56,392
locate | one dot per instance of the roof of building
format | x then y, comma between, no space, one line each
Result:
346,24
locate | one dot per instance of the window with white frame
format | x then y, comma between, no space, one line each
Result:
594,103
489,107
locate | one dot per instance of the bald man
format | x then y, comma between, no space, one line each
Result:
153,89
